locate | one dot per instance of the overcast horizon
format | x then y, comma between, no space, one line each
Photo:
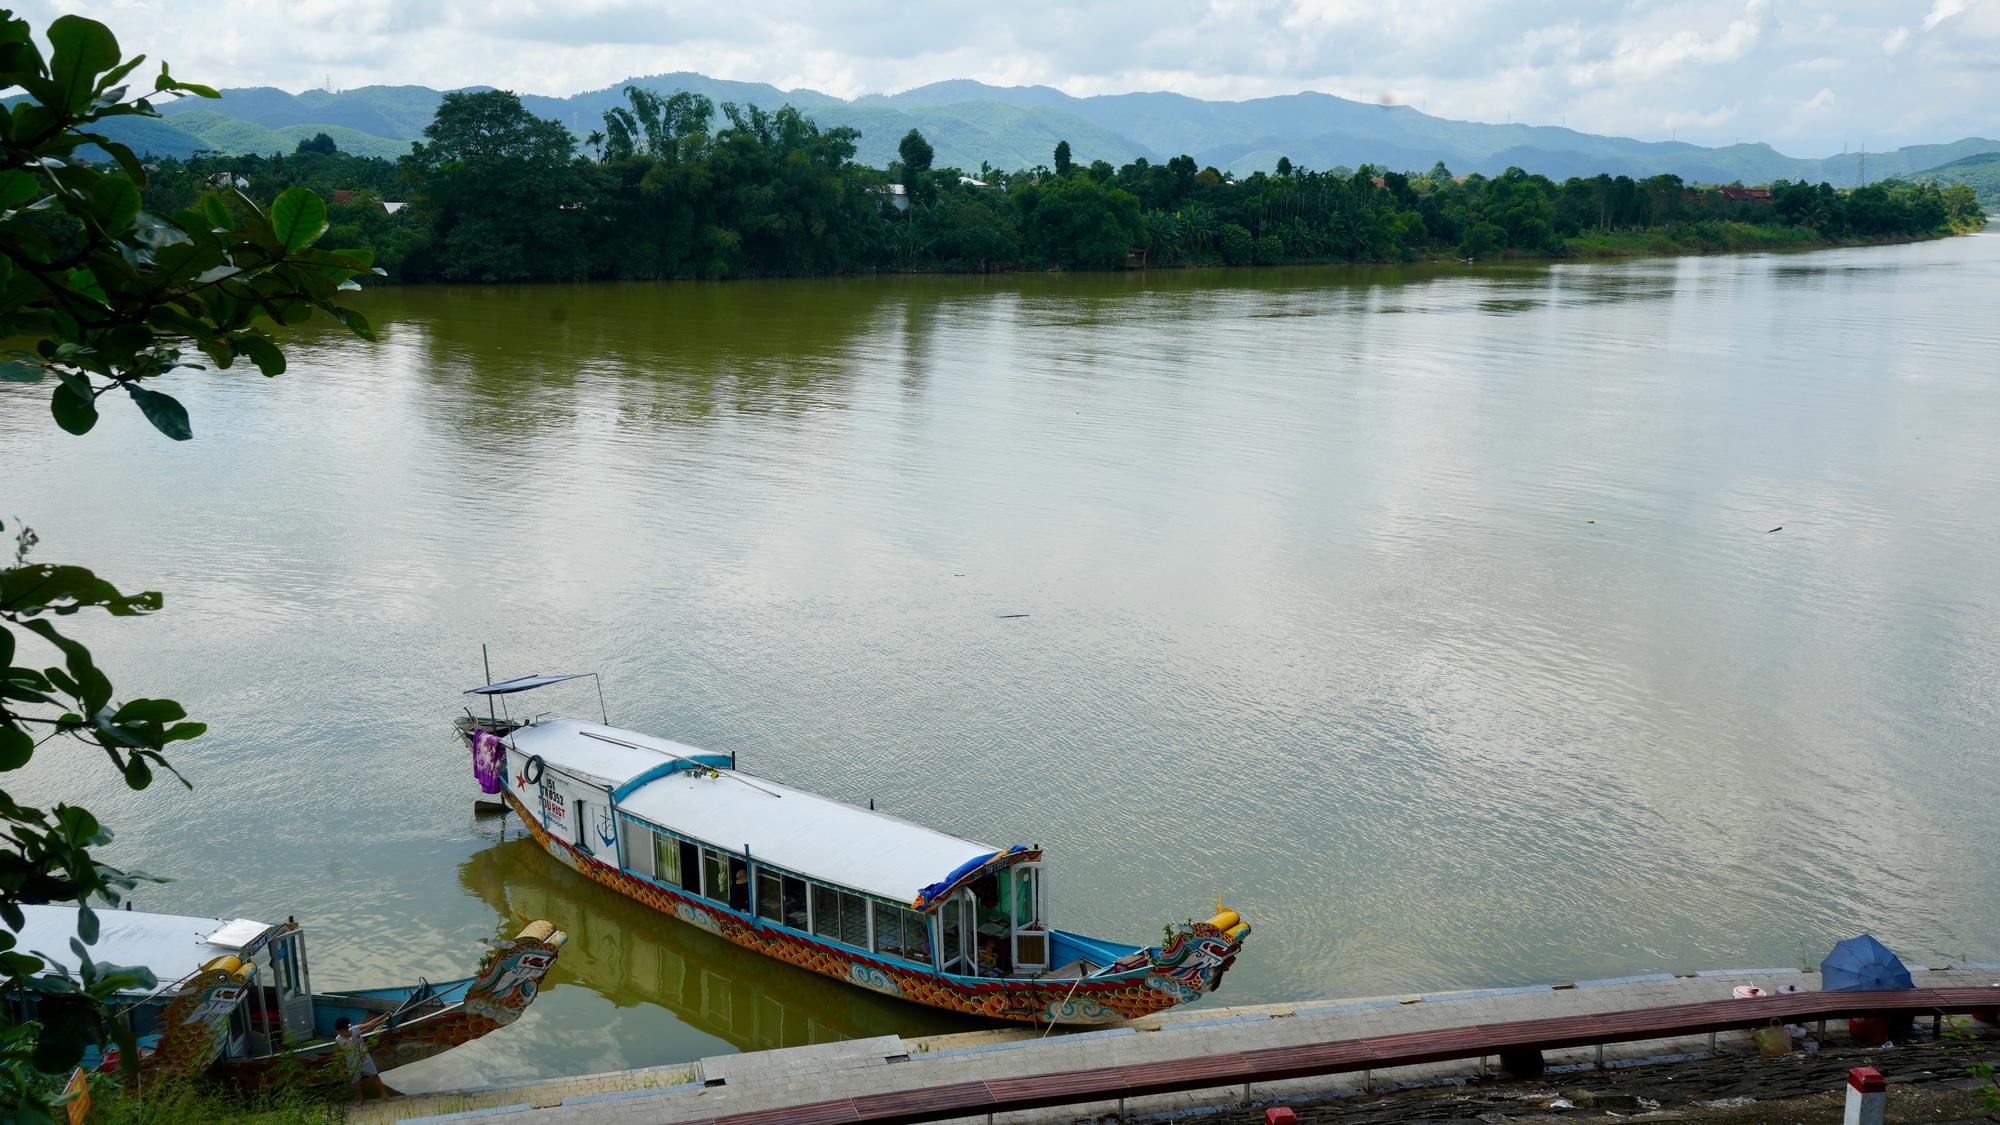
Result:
1809,79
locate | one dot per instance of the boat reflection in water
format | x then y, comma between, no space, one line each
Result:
629,954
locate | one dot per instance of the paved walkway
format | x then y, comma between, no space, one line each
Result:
775,1079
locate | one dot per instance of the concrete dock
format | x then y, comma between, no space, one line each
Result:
769,1080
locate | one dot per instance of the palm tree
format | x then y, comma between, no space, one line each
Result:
596,142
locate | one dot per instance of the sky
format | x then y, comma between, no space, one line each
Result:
1811,79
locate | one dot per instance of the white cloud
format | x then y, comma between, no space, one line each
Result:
1709,120
1942,10
1710,70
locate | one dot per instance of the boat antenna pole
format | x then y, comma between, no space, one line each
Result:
488,661
602,713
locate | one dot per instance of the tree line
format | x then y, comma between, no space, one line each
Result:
672,188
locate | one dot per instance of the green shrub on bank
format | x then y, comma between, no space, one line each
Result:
180,1101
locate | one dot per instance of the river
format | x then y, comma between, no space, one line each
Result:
1460,627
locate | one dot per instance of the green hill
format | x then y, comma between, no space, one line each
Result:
1017,126
1981,170
219,131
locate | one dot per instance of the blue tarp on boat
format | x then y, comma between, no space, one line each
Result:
962,872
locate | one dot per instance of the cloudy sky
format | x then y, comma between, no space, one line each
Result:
1809,77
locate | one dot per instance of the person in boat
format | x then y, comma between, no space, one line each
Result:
739,888
351,1044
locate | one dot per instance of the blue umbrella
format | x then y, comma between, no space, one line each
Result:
1862,962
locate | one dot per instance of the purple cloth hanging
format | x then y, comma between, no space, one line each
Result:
489,756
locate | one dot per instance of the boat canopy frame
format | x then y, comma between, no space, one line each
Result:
497,692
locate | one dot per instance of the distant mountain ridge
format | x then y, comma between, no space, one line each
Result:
1014,127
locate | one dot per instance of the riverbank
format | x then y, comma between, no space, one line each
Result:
1724,238
775,1080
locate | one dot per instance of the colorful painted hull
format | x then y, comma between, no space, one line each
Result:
452,1014
1188,966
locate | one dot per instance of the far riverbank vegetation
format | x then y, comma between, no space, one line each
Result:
669,189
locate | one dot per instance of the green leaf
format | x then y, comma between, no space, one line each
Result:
86,925
164,411
115,202
298,218
74,413
354,322
16,747
149,711
84,49
17,188
262,352
213,210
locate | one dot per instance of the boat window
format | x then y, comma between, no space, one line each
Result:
948,916
667,858
854,919
826,912
770,895
635,847
795,903
690,868
714,876
917,937
737,890
286,952
888,930
900,932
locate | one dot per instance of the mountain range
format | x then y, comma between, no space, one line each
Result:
1009,127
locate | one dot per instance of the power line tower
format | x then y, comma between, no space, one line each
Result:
1861,166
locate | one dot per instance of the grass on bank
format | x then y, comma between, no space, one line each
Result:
181,1101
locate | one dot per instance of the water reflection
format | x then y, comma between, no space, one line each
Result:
630,954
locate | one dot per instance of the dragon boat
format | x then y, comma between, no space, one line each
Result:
850,892
235,995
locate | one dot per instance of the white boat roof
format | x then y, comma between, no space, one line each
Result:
811,835
605,755
172,945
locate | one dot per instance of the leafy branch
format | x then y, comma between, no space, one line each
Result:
110,298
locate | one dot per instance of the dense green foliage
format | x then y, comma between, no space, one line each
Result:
1980,172
498,194
108,296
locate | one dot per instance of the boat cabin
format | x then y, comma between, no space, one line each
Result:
685,820
249,978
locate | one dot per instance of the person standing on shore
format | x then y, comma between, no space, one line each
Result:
350,1046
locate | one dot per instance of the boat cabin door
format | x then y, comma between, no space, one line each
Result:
1027,908
293,986
958,929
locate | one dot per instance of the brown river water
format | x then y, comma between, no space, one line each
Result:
1433,618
